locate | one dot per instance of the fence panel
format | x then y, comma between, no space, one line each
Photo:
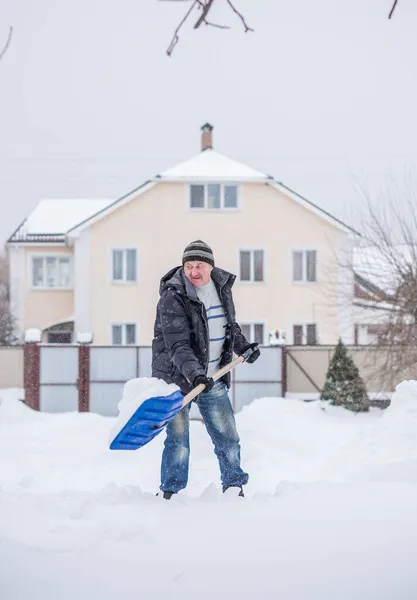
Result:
58,378
258,380
307,367
11,367
110,368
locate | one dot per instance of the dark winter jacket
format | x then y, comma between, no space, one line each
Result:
180,349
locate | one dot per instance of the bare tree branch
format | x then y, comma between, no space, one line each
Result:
216,25
175,38
387,274
247,28
392,9
206,8
3,52
203,6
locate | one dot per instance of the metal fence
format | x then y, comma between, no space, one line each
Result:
306,368
63,378
60,378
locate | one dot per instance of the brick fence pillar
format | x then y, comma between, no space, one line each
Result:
31,374
83,378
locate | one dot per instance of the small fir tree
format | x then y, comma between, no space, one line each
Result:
344,386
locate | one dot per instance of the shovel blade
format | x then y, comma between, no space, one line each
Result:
148,420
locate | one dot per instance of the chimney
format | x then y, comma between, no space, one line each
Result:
206,137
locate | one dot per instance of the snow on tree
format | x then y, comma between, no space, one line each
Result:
344,386
7,320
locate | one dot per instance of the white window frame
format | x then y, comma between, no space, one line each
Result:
304,252
251,325
252,281
304,326
124,281
123,324
222,185
56,255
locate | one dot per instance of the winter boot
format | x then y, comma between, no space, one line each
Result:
234,489
167,495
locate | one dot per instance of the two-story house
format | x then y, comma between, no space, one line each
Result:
95,265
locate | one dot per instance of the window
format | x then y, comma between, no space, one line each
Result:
311,334
117,333
252,265
124,334
305,334
59,337
213,196
197,196
304,265
124,264
298,335
52,272
253,332
230,196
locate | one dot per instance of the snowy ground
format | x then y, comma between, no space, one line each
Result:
330,510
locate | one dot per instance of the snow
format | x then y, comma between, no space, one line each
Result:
211,165
329,513
58,216
84,337
136,391
33,335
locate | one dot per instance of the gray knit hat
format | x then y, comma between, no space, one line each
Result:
198,250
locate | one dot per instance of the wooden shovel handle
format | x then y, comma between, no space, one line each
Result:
218,375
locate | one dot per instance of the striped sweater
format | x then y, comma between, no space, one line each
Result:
216,318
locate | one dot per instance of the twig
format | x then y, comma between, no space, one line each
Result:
206,7
175,38
203,6
247,28
216,25
392,9
3,52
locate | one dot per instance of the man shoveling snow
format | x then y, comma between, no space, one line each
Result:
196,333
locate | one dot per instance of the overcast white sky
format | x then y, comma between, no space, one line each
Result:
323,93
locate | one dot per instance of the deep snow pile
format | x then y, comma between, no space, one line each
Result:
330,508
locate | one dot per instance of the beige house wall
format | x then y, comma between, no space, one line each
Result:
160,224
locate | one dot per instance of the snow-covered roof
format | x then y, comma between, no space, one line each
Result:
211,166
56,220
51,219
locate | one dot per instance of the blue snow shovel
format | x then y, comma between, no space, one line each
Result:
151,417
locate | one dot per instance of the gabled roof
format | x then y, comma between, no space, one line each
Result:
54,220
51,219
210,165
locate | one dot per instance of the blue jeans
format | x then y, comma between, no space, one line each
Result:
218,417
